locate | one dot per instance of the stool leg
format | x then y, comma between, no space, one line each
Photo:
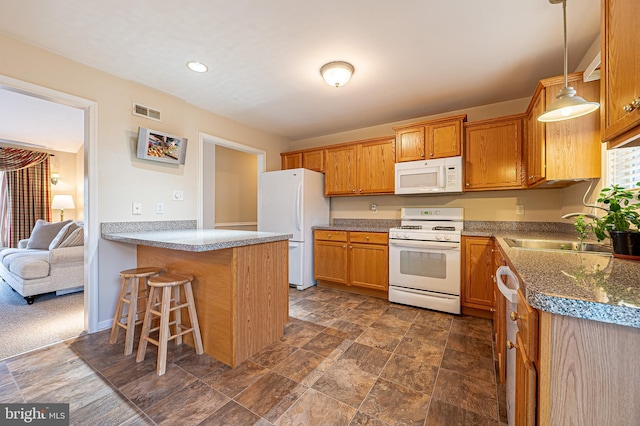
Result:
177,316
146,325
116,318
197,339
164,330
131,316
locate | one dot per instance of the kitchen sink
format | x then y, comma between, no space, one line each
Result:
554,245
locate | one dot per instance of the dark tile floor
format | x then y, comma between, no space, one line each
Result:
344,360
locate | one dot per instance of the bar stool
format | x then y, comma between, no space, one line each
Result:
161,303
131,292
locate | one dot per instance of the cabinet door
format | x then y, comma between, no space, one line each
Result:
376,167
493,155
313,160
410,144
620,67
291,161
369,266
444,139
340,171
536,142
526,383
330,261
478,269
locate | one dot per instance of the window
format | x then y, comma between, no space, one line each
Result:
624,166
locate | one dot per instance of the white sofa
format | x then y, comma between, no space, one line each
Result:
59,267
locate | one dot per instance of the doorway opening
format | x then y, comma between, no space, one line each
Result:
228,184
85,186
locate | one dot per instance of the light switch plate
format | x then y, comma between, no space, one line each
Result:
137,208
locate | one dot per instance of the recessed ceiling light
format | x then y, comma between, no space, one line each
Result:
197,66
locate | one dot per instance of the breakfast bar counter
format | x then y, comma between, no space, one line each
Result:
240,283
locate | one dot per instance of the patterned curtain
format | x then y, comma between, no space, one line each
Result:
12,159
5,238
29,199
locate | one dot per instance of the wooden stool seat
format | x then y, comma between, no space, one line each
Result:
131,291
165,299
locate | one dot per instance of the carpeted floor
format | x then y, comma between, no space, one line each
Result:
51,319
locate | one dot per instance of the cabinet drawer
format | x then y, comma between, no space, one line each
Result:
369,237
527,318
330,235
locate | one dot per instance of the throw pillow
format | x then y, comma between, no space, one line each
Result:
76,238
64,233
43,233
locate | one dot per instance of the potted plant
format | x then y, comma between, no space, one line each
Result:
621,222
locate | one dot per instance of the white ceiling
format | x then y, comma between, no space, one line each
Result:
412,57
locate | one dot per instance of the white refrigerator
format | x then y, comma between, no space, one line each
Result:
292,201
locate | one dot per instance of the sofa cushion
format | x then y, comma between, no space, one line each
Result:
8,252
43,233
76,238
62,234
28,265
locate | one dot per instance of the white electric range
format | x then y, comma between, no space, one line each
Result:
424,258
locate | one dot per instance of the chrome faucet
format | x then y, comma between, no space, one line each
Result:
589,215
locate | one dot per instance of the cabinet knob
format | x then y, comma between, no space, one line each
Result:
367,238
353,190
360,190
510,345
514,316
344,246
633,105
431,154
467,184
351,247
328,235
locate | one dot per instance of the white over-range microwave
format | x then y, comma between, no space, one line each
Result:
435,176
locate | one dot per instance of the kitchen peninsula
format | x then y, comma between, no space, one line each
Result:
240,282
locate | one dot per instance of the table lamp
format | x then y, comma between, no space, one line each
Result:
61,202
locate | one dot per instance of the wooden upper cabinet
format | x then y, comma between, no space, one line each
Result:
493,154
308,159
340,171
620,46
535,141
444,139
410,144
359,168
376,170
313,160
429,139
291,160
561,152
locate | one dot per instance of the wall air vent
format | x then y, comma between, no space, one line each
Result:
146,112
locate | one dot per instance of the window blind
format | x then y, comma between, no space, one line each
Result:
624,166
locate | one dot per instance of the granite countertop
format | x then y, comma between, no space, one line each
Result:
352,228
592,286
360,225
196,240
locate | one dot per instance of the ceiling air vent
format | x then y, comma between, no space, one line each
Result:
146,112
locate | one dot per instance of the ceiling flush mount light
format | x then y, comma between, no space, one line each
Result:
197,66
337,73
567,105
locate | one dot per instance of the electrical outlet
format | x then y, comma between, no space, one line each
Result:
137,208
373,207
160,208
178,195
519,208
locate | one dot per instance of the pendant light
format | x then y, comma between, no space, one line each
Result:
567,105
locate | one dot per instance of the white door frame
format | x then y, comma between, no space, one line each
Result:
91,225
205,138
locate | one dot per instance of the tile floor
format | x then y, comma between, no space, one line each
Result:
344,360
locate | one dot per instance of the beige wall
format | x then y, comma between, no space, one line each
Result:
123,178
66,165
236,190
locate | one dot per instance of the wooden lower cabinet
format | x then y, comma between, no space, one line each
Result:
358,263
478,272
526,386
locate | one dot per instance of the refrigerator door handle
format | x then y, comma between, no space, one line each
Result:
298,207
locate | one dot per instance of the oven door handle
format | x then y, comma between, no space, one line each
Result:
425,245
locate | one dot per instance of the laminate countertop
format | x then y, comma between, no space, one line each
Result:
584,285
196,240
